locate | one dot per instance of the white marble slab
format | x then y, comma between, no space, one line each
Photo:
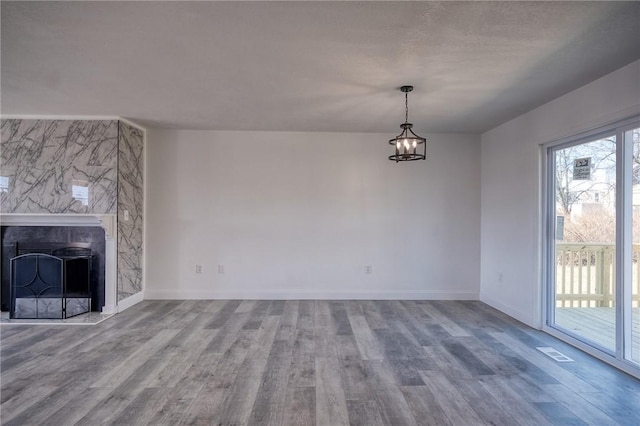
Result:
90,318
130,209
43,160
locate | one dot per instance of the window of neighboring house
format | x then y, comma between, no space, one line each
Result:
80,191
4,184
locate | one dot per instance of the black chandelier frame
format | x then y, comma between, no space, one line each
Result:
408,145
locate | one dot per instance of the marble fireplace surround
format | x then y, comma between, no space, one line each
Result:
108,222
43,155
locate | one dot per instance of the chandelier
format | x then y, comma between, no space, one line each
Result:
408,145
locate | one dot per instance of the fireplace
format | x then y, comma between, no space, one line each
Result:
65,237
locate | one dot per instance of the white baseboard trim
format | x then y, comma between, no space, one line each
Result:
130,301
109,309
508,310
320,295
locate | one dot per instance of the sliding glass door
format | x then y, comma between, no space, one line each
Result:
593,241
585,240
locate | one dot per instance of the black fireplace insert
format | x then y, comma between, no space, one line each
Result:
54,240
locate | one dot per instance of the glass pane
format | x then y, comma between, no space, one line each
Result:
634,301
585,207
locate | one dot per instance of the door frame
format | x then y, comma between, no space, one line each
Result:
624,254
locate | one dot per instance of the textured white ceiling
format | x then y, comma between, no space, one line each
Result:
307,66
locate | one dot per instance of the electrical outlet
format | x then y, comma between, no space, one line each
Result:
198,269
126,215
221,269
500,277
368,269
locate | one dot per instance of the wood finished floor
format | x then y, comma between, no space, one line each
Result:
304,363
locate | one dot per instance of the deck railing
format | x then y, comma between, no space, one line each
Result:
586,275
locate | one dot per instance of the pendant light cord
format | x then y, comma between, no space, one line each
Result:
406,107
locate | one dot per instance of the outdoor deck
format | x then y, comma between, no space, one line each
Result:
598,325
586,275
585,296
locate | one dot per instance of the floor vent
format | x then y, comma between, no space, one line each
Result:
554,354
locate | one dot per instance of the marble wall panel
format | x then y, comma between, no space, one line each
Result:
130,209
42,160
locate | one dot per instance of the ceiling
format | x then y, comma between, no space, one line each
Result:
307,66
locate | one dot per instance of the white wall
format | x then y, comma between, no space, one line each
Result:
511,175
299,215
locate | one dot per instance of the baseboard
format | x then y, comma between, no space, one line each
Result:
320,295
508,310
109,309
130,301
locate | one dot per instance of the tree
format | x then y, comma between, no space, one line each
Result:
635,137
603,158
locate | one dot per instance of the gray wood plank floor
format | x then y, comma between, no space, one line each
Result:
304,363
